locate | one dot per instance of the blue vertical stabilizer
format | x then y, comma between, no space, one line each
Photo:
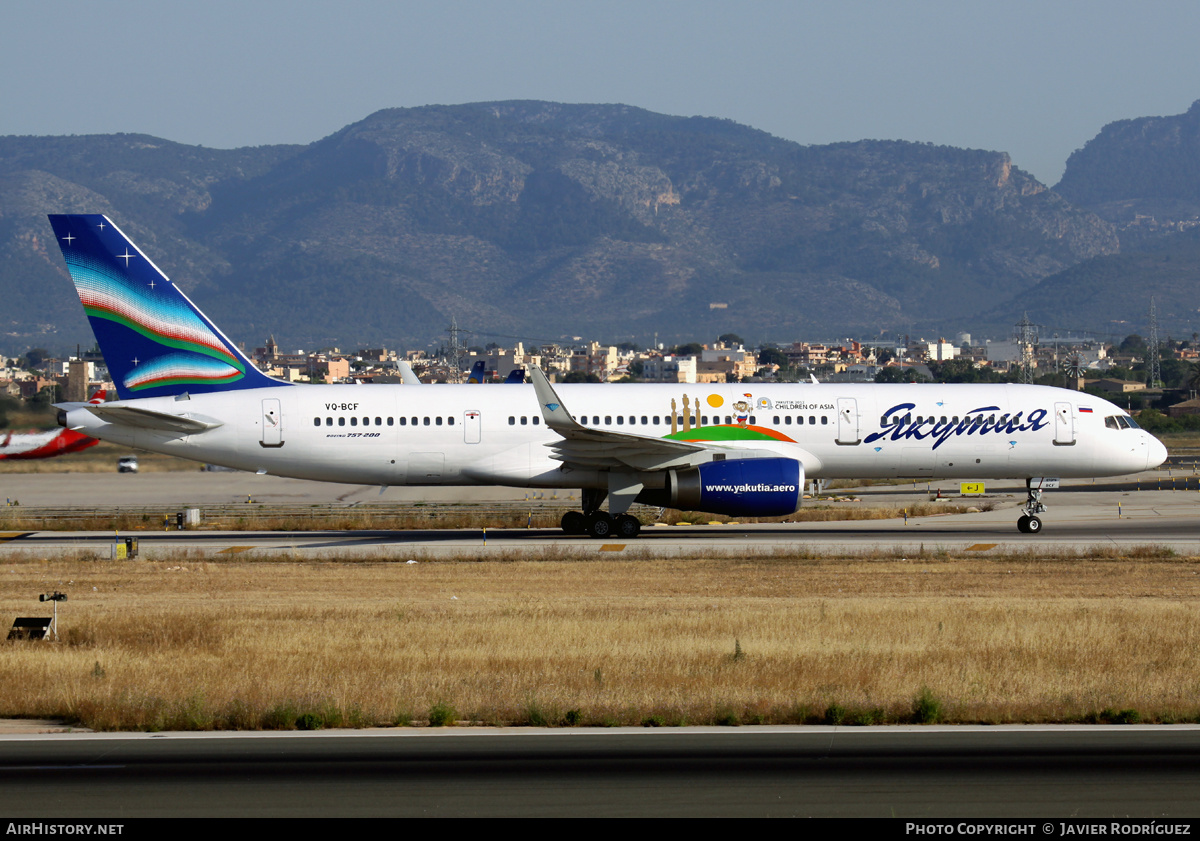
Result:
154,340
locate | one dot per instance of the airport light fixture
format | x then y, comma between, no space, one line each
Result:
55,597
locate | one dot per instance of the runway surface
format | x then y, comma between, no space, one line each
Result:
930,772
1121,513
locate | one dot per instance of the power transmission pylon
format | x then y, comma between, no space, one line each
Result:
456,352
1155,379
1025,334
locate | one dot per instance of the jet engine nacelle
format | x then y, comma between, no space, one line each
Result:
747,487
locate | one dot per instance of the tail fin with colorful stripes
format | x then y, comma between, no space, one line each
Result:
154,340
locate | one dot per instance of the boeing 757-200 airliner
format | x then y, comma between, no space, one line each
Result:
739,449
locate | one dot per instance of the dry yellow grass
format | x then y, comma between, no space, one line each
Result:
189,642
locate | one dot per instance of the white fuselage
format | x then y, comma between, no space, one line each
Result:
495,435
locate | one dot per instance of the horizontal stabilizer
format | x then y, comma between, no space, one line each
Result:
147,419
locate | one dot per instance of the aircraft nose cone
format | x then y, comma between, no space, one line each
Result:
1156,453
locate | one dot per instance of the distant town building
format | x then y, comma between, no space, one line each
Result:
1111,386
669,369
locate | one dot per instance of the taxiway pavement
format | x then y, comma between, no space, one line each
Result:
898,772
1083,515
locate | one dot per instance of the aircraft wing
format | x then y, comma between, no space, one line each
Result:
582,447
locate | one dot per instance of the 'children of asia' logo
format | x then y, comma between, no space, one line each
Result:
899,423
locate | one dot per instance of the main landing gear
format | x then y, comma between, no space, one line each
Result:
600,524
1029,523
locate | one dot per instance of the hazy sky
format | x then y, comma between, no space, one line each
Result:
1034,79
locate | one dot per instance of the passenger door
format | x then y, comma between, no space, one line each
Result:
1064,425
272,423
848,421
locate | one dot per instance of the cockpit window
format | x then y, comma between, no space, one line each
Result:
1120,422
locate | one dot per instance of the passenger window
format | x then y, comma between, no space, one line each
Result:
776,420
354,421
391,421
536,420
341,421
620,421
329,421
824,420
512,421
438,421
425,421
608,420
524,420
316,421
450,421
643,420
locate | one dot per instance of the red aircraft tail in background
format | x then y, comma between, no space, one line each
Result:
30,445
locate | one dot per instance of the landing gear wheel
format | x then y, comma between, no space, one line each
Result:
628,526
600,524
573,522
1029,525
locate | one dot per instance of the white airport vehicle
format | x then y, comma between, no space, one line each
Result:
745,450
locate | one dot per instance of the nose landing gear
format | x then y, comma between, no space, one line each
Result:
1029,523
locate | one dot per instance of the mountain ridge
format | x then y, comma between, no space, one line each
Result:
545,219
